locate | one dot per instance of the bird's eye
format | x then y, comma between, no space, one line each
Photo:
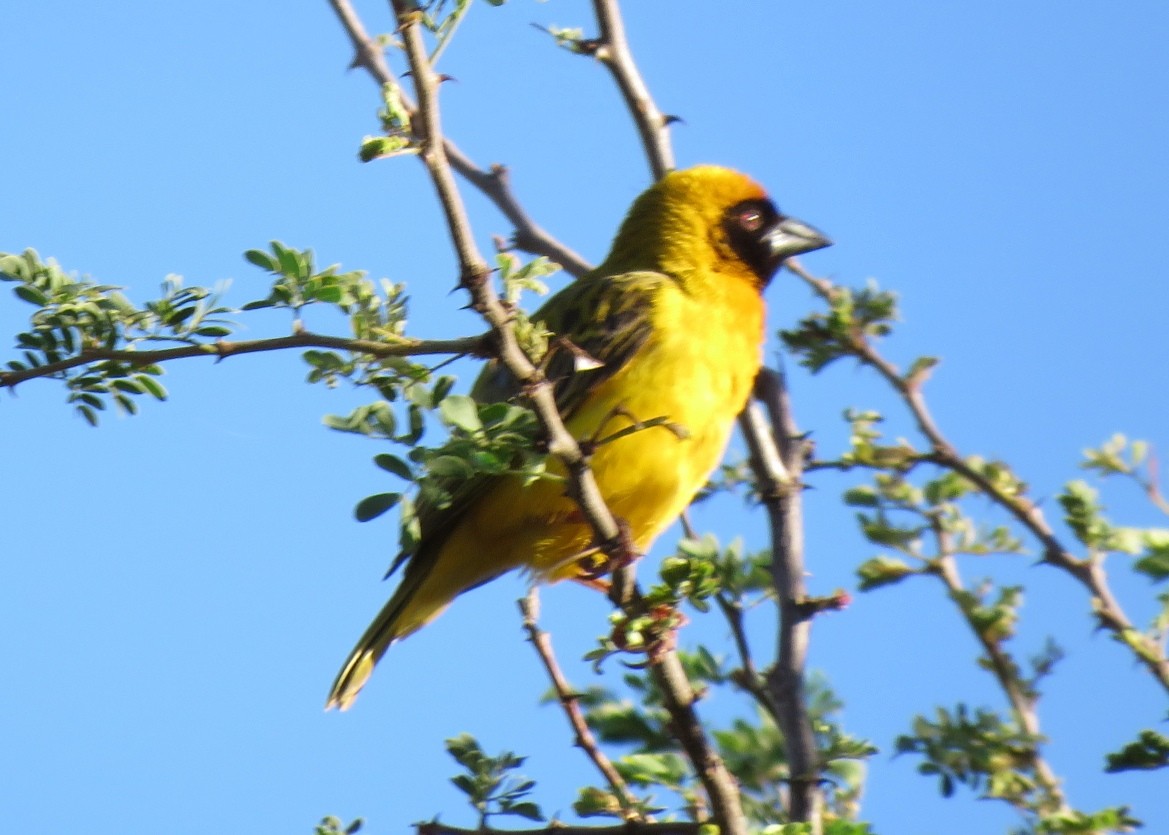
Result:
751,220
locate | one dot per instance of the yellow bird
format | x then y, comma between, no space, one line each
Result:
675,316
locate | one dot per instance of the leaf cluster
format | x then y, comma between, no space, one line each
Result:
490,783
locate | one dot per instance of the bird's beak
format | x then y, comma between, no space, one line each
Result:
791,237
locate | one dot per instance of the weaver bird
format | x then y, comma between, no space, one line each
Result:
675,319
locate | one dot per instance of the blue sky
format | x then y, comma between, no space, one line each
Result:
178,589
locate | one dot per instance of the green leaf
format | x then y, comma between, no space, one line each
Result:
882,571
394,464
526,809
462,412
374,506
89,414
1149,752
30,294
262,260
1154,564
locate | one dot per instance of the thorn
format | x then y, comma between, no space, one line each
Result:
670,119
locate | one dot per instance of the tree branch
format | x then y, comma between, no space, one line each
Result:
570,702
1003,667
558,828
750,679
224,348
1089,573
612,50
678,698
528,235
778,460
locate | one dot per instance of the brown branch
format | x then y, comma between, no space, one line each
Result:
528,235
678,698
1089,572
1003,667
749,678
570,702
612,50
223,348
778,461
558,828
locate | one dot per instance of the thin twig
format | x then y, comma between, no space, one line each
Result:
570,702
749,680
1089,573
612,50
778,461
224,348
493,183
1003,667
558,828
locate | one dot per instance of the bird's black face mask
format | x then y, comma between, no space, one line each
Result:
763,238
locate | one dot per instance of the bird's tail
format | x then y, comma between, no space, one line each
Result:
397,619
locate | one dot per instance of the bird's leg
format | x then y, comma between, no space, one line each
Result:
605,559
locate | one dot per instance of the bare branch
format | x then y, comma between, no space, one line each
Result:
612,50
474,345
678,698
750,679
1090,573
778,461
558,828
570,701
528,235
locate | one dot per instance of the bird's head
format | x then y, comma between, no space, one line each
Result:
709,218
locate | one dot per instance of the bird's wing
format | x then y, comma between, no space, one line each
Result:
600,324
604,322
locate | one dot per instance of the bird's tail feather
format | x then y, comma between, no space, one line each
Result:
387,627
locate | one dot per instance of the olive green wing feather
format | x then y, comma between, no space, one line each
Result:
604,321
599,324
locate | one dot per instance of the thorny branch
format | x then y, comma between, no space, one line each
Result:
570,701
1004,669
612,50
493,183
1089,572
558,828
221,349
777,460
